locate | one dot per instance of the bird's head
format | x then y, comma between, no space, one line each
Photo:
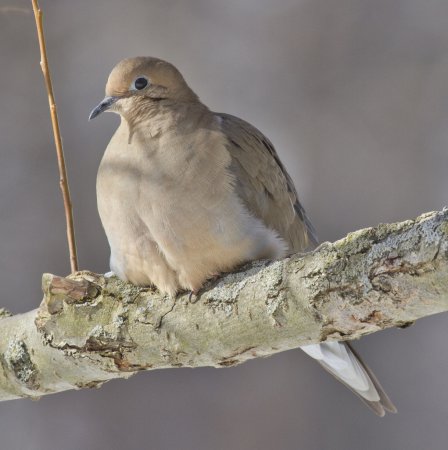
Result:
142,81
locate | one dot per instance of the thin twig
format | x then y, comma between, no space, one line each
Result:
63,182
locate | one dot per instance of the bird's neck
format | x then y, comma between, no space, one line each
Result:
160,116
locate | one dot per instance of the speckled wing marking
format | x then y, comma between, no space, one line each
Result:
264,185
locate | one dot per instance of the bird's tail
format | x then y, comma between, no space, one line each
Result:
342,362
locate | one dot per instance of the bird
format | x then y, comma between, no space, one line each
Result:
185,194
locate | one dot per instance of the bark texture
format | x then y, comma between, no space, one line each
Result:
90,329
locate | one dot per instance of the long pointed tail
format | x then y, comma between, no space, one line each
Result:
340,359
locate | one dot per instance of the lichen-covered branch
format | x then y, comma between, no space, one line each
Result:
90,329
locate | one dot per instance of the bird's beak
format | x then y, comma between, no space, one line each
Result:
104,105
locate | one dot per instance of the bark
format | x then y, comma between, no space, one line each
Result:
90,329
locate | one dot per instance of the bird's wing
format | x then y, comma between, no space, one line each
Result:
264,185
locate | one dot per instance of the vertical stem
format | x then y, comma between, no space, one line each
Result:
63,182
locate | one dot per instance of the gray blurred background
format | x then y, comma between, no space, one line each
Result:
354,95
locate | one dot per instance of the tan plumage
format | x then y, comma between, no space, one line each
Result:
185,194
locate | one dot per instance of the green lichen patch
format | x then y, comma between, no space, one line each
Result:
4,313
19,360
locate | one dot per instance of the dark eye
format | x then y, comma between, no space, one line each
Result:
140,83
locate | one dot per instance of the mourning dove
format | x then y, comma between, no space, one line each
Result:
185,194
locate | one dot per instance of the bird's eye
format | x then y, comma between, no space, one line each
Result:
140,83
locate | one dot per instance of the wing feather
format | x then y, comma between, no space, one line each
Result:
264,185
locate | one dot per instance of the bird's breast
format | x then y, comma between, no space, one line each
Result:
170,182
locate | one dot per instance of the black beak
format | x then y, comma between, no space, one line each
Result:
105,104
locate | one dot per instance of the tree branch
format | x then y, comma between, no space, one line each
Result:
90,329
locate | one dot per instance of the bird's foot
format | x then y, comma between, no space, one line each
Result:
192,297
194,292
